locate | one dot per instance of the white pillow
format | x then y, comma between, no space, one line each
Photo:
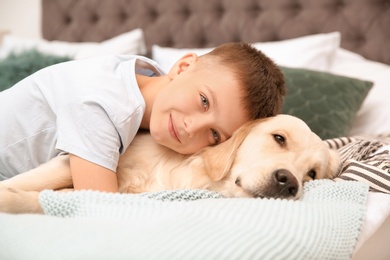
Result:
374,115
166,57
2,33
311,52
127,43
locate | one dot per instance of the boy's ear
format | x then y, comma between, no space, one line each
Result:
182,64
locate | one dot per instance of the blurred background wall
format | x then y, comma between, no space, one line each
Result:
21,17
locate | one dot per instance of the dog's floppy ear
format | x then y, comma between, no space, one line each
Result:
219,159
334,164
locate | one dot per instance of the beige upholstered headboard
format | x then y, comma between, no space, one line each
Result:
364,24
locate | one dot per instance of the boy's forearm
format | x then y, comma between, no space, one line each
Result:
90,176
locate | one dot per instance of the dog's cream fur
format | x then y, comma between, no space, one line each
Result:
269,157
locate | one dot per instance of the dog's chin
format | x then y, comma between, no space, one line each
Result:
266,191
235,187
271,191
267,194
236,194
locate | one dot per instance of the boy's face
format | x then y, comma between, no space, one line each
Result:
198,108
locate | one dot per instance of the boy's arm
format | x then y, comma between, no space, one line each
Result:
88,175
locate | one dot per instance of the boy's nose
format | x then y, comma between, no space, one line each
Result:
196,124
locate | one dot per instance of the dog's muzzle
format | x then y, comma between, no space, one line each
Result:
285,183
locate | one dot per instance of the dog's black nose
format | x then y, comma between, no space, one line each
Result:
286,183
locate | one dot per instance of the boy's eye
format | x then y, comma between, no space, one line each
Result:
216,136
205,101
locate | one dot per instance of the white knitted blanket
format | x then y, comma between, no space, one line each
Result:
197,224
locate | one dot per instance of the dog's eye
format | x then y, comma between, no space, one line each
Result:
280,139
312,174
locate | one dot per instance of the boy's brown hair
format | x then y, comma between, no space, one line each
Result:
262,81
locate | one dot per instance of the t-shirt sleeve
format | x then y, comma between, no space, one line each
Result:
86,130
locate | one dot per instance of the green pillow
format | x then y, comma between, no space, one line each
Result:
326,102
16,67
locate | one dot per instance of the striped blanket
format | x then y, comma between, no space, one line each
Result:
365,159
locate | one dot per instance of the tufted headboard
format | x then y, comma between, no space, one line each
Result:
364,24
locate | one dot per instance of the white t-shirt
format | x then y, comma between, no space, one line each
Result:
91,108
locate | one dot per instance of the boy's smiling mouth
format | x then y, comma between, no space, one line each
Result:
172,130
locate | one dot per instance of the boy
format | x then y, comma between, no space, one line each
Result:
93,108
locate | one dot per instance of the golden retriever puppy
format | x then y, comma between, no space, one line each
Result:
269,157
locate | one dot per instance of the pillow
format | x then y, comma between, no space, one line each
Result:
373,118
127,43
166,57
16,67
2,33
312,52
326,102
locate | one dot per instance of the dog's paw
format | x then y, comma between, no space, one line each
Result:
18,201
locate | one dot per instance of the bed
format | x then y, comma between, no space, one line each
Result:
336,58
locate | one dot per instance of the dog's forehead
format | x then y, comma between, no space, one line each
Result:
291,121
291,127
283,122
